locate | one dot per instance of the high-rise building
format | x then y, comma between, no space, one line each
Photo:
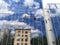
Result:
22,37
3,32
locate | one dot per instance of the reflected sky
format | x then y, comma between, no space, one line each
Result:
20,7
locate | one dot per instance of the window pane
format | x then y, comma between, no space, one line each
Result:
26,35
25,43
22,31
26,32
21,39
26,40
21,43
18,31
18,35
18,44
22,35
18,39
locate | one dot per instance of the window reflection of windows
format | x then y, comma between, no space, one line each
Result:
26,32
18,44
18,35
18,39
26,44
53,11
56,28
26,40
21,43
19,31
26,35
22,35
21,39
22,31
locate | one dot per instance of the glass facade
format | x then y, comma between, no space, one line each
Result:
25,16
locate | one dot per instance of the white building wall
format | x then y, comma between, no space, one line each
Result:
49,28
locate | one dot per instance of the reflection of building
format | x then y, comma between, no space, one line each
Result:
1,35
49,28
4,36
3,32
22,37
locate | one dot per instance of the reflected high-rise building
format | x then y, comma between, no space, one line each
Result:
22,37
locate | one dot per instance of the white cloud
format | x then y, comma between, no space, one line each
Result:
13,32
58,11
13,23
55,14
5,12
37,5
35,33
16,24
45,2
4,9
25,16
29,27
39,13
58,6
16,0
30,4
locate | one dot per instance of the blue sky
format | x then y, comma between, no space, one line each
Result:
20,14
